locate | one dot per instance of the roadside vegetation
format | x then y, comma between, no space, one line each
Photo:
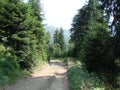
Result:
22,39
95,42
94,45
57,48
81,79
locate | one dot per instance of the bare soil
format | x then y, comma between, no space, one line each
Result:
52,76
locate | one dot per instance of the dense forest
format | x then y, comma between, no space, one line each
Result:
24,42
94,43
57,47
22,38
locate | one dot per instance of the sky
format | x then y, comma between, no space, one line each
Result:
60,13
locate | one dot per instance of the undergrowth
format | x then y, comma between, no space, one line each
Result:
80,79
9,68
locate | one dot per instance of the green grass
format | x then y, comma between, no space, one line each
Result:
81,79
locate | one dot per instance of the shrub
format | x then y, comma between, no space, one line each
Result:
80,79
9,67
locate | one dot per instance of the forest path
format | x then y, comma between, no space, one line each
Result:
52,76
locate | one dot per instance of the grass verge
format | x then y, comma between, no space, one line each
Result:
80,79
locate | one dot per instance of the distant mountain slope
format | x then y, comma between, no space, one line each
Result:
52,29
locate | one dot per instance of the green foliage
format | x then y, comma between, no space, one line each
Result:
59,38
94,51
24,33
71,49
93,44
114,26
90,36
22,38
78,30
62,40
80,79
58,48
9,67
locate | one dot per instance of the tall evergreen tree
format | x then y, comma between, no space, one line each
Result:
56,36
112,9
59,42
38,30
62,40
78,29
22,38
90,35
22,30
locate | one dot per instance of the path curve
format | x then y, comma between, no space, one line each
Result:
52,76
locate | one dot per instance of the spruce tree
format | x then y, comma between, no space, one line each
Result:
89,34
62,40
94,43
38,30
112,9
22,30
59,42
78,29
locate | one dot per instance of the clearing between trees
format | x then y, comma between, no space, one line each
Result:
52,76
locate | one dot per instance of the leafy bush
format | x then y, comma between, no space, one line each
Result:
80,79
9,67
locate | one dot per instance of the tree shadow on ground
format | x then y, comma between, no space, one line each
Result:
40,82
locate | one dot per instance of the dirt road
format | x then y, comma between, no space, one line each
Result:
52,77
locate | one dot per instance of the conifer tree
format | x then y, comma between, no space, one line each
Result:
56,36
112,9
59,42
62,40
22,30
90,35
78,29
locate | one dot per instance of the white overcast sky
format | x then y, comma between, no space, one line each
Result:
59,13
